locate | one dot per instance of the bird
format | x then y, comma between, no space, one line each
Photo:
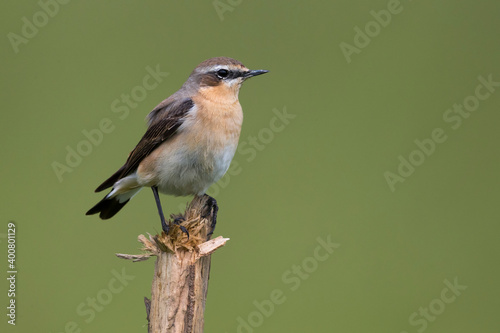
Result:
189,143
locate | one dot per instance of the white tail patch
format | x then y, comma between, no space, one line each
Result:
127,195
125,188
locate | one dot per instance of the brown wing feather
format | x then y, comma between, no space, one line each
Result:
158,132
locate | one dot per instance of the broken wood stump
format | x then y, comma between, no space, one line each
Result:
182,269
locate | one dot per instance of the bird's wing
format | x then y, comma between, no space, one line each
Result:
159,131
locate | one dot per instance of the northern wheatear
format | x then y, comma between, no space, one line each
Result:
190,141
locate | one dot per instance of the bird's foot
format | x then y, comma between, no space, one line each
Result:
212,211
177,221
164,226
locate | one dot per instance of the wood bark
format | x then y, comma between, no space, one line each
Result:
182,269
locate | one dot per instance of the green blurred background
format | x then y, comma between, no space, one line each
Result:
321,174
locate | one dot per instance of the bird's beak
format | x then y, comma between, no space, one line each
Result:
255,73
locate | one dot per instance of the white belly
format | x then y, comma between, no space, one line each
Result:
182,172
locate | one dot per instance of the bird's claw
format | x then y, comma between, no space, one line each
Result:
177,221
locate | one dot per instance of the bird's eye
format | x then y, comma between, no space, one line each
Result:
222,73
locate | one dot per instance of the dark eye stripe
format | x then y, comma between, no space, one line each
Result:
230,74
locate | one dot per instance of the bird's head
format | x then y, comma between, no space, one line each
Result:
221,78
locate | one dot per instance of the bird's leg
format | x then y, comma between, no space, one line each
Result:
164,225
213,208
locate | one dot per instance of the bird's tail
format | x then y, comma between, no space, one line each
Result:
112,203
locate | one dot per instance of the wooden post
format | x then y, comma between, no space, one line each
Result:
182,270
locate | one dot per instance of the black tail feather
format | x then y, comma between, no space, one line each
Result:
111,180
107,208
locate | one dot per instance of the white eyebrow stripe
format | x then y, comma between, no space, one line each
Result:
217,67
